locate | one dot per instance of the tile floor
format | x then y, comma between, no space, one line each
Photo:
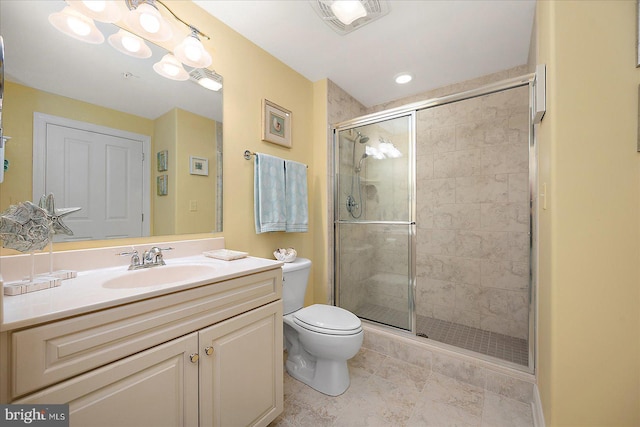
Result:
388,392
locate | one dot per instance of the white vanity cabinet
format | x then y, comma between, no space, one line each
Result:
208,356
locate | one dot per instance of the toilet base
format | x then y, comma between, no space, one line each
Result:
330,377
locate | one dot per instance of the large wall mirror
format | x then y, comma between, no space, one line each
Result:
56,84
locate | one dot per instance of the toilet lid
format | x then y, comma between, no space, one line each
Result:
327,319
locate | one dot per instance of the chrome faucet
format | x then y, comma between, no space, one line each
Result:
150,258
153,257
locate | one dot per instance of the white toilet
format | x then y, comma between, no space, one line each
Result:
320,338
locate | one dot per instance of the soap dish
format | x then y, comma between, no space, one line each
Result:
225,254
285,255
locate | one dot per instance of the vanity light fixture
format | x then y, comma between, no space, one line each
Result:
143,22
145,19
348,11
191,51
129,44
171,68
100,10
76,25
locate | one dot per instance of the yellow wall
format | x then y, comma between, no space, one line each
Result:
166,134
20,102
319,197
196,137
589,302
250,74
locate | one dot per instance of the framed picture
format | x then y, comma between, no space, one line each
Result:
161,183
163,160
198,166
276,124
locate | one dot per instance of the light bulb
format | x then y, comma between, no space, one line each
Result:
348,11
100,10
192,53
131,44
78,26
210,83
403,78
149,21
171,68
96,6
193,50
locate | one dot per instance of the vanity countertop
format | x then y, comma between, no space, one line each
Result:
86,292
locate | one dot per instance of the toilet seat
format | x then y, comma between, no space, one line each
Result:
328,320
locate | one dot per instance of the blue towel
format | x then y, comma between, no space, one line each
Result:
269,194
296,199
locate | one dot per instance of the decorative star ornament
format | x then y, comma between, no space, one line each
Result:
55,215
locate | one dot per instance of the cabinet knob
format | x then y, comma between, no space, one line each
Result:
194,358
209,351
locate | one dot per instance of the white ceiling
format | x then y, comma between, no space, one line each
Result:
439,41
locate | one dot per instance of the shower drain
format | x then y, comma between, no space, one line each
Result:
420,334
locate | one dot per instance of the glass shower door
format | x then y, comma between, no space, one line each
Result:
374,227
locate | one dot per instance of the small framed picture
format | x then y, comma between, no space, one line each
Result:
276,124
161,183
198,166
163,160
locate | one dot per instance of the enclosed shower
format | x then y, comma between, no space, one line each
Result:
433,220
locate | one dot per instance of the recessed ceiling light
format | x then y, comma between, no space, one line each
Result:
403,78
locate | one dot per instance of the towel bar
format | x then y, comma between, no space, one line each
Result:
247,156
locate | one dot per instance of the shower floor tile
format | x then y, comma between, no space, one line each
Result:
511,349
504,347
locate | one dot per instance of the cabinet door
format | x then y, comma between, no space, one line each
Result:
241,380
157,387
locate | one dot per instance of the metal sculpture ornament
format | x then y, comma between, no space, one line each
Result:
26,227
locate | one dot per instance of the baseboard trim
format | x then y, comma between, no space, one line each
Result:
536,408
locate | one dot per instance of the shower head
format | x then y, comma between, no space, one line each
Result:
362,138
364,156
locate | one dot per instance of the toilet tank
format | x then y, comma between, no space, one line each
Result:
295,276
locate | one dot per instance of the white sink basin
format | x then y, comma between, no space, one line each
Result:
160,275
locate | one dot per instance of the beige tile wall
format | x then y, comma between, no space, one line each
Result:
473,212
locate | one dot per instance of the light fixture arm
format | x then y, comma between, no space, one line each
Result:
133,4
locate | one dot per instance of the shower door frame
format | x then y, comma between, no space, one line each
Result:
412,109
411,223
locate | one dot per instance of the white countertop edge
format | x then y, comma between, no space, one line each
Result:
20,323
82,296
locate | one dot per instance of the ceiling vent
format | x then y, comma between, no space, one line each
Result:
375,9
205,77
